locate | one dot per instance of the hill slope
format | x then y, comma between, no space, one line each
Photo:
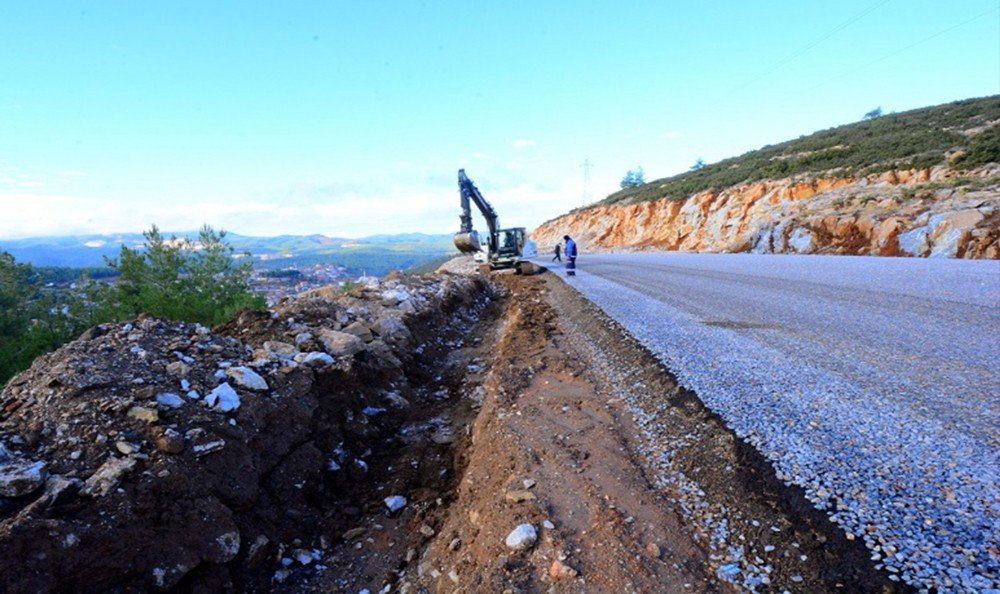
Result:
919,183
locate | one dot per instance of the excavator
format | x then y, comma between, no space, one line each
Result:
504,248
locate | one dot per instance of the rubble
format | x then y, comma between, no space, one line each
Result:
115,443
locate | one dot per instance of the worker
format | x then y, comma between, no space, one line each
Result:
570,256
558,256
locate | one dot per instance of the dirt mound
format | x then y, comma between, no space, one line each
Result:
163,455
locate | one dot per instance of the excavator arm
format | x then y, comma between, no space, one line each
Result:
467,240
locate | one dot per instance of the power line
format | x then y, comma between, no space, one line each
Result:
812,44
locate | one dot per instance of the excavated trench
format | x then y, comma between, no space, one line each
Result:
491,405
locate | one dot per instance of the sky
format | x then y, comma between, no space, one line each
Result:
352,118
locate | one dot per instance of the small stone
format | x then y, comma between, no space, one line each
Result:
426,530
223,398
395,503
281,349
204,449
178,369
560,571
125,447
141,413
303,556
354,533
522,538
169,400
455,544
314,359
548,525
653,550
247,378
529,483
519,496
107,476
170,442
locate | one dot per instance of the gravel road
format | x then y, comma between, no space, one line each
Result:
871,382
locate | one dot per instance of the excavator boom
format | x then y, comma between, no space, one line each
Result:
467,240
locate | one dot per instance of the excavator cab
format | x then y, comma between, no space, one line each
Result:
510,243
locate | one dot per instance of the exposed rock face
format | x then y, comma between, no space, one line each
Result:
930,212
111,480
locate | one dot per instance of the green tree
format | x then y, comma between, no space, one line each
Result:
633,179
874,114
35,320
698,164
179,279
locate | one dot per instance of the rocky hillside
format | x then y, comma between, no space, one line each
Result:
923,183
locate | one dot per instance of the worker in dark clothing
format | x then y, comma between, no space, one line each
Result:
570,256
558,256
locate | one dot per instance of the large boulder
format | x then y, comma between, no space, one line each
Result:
340,344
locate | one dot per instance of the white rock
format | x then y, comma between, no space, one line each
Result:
395,502
20,478
246,377
522,538
223,398
314,359
169,400
107,476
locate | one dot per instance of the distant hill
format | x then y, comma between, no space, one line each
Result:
377,254
915,139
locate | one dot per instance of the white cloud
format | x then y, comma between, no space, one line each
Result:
353,208
522,143
671,135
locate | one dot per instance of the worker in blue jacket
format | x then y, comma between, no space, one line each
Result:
570,255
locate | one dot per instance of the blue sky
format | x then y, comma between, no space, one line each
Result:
351,118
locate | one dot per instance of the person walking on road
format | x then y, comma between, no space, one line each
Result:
558,256
570,256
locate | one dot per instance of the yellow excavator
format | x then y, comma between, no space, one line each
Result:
504,248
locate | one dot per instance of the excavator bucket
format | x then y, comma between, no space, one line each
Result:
468,243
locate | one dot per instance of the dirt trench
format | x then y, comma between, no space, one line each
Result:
495,405
558,436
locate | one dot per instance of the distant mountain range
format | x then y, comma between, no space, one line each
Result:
377,254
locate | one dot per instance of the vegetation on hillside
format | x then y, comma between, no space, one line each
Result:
912,139
178,279
35,320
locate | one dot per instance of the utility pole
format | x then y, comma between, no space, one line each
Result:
586,181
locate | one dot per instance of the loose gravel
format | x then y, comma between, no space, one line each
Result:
870,382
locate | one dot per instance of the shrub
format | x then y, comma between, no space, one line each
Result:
179,279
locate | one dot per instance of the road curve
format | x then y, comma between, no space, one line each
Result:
872,382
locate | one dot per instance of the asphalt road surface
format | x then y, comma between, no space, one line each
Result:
872,382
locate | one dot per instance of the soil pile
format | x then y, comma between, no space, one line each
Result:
165,455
